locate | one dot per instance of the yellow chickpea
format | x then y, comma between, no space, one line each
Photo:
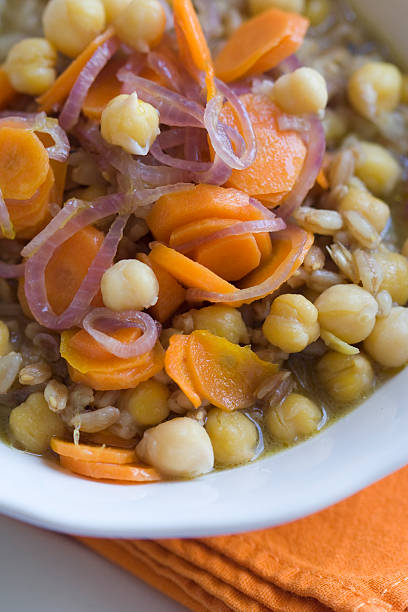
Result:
141,24
388,342
223,321
296,417
374,210
32,424
113,8
147,403
130,123
377,168
317,11
5,346
180,447
72,24
234,437
395,275
374,88
292,6
301,92
30,65
347,311
346,378
129,285
292,323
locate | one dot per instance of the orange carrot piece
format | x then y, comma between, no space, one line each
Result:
231,257
60,175
224,373
294,241
322,180
7,91
86,452
30,216
68,266
24,163
105,87
171,293
61,87
131,472
192,43
175,364
201,202
260,44
280,154
188,272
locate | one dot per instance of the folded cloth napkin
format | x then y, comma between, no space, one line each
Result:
351,557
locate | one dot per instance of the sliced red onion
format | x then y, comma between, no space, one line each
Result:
218,173
195,143
238,229
6,225
11,270
174,109
165,67
158,176
175,162
72,107
35,267
266,213
289,64
312,132
128,318
144,197
39,122
250,294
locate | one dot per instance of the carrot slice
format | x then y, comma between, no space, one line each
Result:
7,91
188,272
231,257
111,471
68,267
175,364
293,240
260,44
24,163
201,202
224,373
105,87
280,154
61,87
192,43
322,180
171,293
30,216
86,452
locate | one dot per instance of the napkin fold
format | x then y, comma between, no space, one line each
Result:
351,557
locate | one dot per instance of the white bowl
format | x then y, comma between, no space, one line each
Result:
362,447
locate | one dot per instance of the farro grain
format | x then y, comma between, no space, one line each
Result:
320,280
314,260
9,368
361,229
56,395
35,374
96,420
106,398
342,168
199,415
369,271
384,301
125,427
319,221
179,403
184,322
343,259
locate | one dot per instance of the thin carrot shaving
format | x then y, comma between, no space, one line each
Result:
111,471
86,452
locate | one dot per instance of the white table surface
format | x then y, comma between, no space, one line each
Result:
41,571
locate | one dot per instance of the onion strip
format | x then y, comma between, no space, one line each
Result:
6,225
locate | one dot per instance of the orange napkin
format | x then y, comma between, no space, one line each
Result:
352,557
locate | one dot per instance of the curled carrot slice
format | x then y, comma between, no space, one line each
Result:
87,452
175,364
111,471
171,293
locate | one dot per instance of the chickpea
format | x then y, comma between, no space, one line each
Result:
347,311
292,323
346,378
335,126
72,24
388,342
147,403
395,275
374,210
113,8
374,88
180,447
141,24
234,437
30,66
293,6
129,285
377,168
317,11
297,416
32,424
5,346
300,92
130,123
223,321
